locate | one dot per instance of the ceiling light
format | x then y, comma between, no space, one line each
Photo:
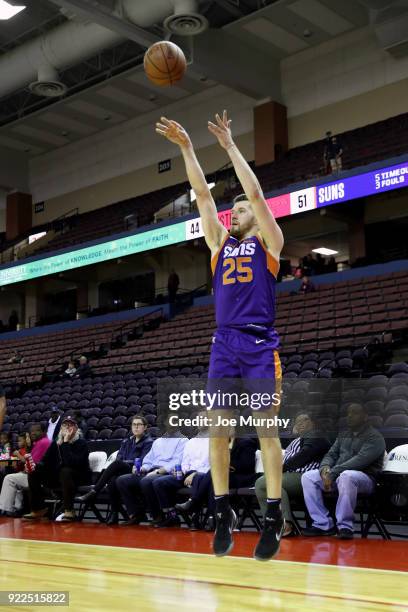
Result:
324,251
193,195
7,11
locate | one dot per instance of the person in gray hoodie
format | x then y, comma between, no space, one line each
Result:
350,467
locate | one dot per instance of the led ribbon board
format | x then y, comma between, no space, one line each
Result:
145,241
286,204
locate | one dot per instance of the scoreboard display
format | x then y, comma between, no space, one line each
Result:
284,205
310,198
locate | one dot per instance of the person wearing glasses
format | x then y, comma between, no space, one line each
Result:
135,446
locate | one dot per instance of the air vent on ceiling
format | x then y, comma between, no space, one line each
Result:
47,84
48,89
189,24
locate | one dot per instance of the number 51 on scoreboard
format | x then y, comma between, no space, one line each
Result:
302,200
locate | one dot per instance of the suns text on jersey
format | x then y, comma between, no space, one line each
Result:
245,248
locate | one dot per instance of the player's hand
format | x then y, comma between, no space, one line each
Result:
173,131
222,130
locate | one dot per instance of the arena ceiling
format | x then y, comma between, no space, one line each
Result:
105,84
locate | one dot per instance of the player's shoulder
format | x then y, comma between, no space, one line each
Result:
266,248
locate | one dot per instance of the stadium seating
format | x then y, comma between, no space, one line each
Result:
310,327
49,351
345,315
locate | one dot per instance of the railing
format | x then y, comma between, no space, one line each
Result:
66,214
119,332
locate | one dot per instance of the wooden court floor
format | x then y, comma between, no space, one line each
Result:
124,573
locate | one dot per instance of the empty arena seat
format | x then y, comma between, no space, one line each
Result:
397,368
105,434
398,392
374,407
119,433
119,421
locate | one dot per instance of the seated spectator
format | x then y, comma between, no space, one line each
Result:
23,447
299,271
242,474
16,357
54,424
5,452
195,464
3,406
70,371
350,467
84,368
5,446
65,465
11,497
307,286
135,446
136,490
303,454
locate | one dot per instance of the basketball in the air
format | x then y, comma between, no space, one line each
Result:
164,63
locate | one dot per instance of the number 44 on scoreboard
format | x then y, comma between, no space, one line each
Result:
194,229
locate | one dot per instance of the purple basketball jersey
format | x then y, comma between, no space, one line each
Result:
244,284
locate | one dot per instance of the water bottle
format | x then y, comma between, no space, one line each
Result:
138,465
179,473
30,465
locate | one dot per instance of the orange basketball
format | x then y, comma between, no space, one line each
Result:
164,63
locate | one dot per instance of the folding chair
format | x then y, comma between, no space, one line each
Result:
98,461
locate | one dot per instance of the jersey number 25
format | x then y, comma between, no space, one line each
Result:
243,273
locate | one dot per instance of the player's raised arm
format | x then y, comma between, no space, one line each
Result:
270,230
214,231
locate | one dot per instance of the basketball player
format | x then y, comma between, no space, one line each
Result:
245,263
